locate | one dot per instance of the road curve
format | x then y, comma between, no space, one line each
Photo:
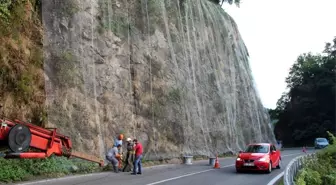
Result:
198,173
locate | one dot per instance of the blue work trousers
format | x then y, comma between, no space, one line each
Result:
137,164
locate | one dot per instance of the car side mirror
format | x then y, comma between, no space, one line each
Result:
273,151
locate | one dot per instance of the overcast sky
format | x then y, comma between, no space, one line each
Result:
276,32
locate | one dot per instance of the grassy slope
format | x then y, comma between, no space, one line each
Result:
13,170
21,63
322,170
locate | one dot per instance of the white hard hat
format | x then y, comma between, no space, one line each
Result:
128,139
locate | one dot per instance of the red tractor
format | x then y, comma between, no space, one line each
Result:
25,140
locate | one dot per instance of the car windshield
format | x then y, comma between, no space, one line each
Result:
257,149
321,140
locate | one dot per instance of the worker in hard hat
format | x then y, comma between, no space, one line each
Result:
113,156
129,156
119,141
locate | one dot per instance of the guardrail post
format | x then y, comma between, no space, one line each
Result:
293,168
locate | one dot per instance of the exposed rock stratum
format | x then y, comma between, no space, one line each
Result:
173,73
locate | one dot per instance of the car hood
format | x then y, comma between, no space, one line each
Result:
251,155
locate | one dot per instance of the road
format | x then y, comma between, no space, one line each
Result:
199,173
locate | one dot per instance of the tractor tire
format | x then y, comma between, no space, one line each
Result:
19,138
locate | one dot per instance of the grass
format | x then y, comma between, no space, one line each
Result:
68,8
320,170
65,67
21,58
117,23
281,182
13,170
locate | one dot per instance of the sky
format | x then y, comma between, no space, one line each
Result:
276,32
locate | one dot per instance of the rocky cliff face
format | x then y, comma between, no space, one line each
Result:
172,73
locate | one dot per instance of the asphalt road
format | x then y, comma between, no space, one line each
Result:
199,173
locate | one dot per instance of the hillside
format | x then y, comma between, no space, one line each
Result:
174,74
21,61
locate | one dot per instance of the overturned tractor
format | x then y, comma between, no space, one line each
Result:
25,140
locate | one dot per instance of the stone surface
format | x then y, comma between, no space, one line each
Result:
174,74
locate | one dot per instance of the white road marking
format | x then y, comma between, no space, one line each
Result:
186,175
87,175
291,154
190,174
103,173
275,179
64,178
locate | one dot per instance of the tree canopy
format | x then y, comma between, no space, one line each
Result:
307,111
236,2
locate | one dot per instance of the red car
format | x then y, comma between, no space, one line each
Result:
260,157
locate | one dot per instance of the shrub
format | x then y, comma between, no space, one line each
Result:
24,169
322,169
4,9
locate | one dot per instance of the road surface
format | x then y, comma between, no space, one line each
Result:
199,173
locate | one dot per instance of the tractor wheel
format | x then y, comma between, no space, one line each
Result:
19,138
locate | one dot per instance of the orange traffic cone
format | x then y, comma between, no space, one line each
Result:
217,163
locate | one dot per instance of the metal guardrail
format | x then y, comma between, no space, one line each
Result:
293,168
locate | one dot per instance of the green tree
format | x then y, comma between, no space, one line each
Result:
308,109
236,2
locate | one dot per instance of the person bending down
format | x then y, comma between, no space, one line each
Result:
113,156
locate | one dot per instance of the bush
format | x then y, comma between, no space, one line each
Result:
25,169
322,169
4,9
308,176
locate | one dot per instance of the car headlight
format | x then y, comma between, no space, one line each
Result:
239,159
264,159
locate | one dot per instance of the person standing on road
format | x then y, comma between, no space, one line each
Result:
113,156
129,156
138,156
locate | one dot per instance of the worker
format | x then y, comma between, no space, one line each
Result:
119,141
113,156
138,157
129,156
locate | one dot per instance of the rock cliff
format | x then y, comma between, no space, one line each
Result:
173,73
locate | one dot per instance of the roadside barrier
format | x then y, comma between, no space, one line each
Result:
293,168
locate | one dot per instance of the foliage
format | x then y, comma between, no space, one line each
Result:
20,52
25,169
68,8
65,68
118,23
4,9
174,95
320,170
307,111
11,15
236,2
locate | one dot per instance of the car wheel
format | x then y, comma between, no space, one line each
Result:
269,168
280,164
238,171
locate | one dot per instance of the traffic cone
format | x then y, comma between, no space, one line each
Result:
217,163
